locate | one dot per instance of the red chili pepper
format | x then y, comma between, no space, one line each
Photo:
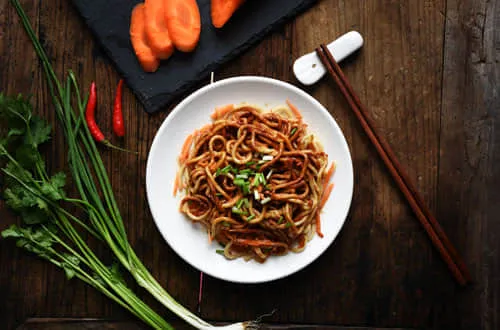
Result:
118,125
90,115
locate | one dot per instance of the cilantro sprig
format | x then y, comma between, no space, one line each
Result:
50,229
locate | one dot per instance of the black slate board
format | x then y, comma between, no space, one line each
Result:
109,21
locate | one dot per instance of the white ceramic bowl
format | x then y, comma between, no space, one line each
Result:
190,241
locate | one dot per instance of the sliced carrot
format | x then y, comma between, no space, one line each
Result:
318,225
326,194
221,111
222,10
185,148
143,51
294,109
156,28
183,23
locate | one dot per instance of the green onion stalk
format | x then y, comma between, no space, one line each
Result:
32,188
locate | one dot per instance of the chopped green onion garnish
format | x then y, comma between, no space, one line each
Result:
267,157
250,163
242,176
288,225
256,195
246,171
236,210
265,200
293,131
241,201
251,217
280,220
218,194
219,251
224,170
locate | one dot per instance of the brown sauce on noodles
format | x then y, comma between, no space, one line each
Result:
256,180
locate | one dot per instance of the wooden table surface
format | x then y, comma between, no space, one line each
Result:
428,72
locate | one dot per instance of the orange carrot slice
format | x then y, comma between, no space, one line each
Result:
143,51
294,109
156,28
222,10
183,23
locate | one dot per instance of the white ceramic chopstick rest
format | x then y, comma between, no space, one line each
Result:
308,69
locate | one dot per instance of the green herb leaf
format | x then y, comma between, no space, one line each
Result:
12,232
40,131
219,251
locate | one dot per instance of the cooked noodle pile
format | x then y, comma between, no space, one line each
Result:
256,180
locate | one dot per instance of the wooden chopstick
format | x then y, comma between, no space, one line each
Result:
424,215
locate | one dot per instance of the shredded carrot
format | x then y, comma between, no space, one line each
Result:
256,242
221,111
318,225
328,176
326,194
176,184
185,148
294,109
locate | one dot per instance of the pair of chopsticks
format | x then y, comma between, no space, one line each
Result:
422,212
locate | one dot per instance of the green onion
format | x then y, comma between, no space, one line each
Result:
224,170
236,210
219,251
250,163
265,200
242,176
288,225
293,131
251,217
59,235
247,171
280,220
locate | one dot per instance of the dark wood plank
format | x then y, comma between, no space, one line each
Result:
381,270
438,107
469,176
41,289
83,324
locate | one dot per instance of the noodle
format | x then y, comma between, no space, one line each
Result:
255,180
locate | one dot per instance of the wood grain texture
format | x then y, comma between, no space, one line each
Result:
85,324
469,154
381,270
429,74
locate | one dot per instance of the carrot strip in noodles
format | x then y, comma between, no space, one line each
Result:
185,148
294,109
326,194
256,242
176,184
318,225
